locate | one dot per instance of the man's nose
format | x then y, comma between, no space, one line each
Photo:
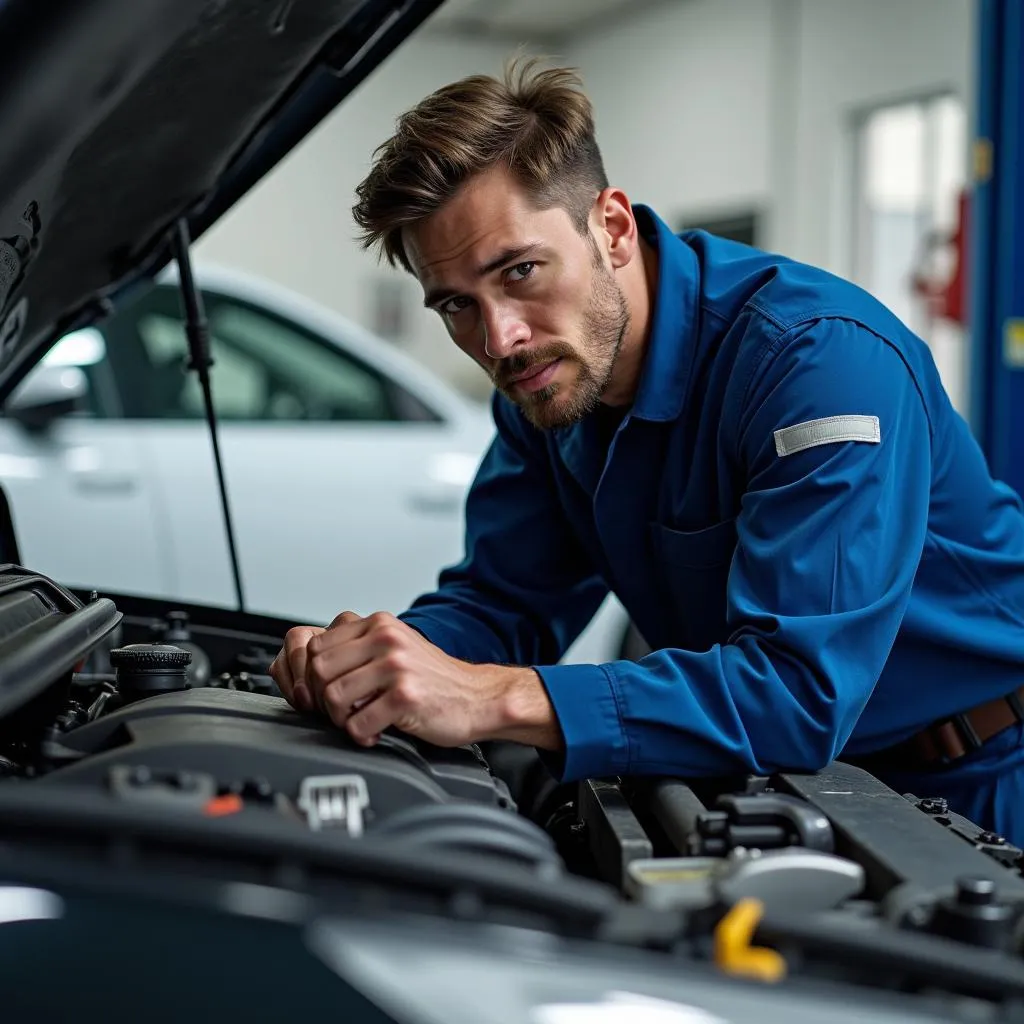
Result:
503,332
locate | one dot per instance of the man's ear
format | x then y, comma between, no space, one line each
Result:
616,226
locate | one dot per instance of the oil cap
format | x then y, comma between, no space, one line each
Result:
144,670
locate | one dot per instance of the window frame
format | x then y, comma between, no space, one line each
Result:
405,406
860,233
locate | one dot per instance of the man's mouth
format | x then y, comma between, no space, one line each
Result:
536,377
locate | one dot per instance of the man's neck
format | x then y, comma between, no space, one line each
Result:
640,286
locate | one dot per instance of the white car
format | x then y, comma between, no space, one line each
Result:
347,463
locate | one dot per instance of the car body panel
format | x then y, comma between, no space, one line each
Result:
326,518
84,479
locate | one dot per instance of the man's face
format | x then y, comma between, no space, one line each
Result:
523,293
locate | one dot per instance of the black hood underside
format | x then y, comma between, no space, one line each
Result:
118,117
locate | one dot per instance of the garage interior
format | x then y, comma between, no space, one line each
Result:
202,469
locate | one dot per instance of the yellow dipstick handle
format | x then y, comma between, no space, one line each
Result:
733,952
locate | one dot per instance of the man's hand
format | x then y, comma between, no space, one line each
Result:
288,669
370,673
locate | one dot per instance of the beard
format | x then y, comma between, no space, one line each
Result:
604,327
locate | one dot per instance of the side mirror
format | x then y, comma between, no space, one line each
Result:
46,394
57,385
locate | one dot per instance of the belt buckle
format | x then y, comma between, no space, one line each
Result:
1016,705
963,731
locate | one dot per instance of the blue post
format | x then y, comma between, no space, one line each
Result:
996,267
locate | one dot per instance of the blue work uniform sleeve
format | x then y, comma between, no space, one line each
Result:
829,539
525,588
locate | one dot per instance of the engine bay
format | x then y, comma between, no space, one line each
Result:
144,740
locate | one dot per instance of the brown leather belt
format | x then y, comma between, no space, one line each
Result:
946,741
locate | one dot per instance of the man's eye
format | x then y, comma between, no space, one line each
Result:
452,306
521,271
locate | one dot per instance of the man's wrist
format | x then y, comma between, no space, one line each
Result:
521,711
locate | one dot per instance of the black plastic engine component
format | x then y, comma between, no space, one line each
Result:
976,914
247,682
998,847
838,841
767,821
473,827
889,835
614,834
224,734
676,809
144,670
175,790
45,631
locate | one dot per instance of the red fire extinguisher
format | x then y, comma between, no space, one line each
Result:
946,293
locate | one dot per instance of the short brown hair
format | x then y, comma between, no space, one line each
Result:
536,122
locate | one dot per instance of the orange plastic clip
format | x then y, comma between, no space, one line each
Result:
219,806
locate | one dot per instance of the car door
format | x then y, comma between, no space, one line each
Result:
346,490
81,497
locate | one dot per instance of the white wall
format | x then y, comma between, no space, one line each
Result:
296,227
682,104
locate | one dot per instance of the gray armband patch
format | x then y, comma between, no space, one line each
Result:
829,430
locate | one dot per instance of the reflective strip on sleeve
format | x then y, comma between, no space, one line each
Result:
829,430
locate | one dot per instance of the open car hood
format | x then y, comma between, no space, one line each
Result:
120,117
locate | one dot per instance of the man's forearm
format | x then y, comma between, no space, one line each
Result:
520,711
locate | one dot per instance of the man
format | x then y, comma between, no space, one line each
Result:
756,457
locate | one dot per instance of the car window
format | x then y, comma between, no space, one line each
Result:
266,369
86,350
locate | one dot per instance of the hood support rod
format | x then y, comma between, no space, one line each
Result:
200,361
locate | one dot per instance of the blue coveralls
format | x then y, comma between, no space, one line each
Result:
803,600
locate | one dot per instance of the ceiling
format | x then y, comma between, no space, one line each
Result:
532,20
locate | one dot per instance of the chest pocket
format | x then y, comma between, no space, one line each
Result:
694,567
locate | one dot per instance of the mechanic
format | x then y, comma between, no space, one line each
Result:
755,456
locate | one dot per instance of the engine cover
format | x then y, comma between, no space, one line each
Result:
197,745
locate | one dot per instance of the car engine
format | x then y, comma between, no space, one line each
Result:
139,736
146,726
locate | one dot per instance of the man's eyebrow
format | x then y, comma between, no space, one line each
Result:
513,254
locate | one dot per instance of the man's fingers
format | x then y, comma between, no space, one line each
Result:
303,701
342,697
315,658
281,675
345,617
295,644
295,692
329,664
291,665
367,723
